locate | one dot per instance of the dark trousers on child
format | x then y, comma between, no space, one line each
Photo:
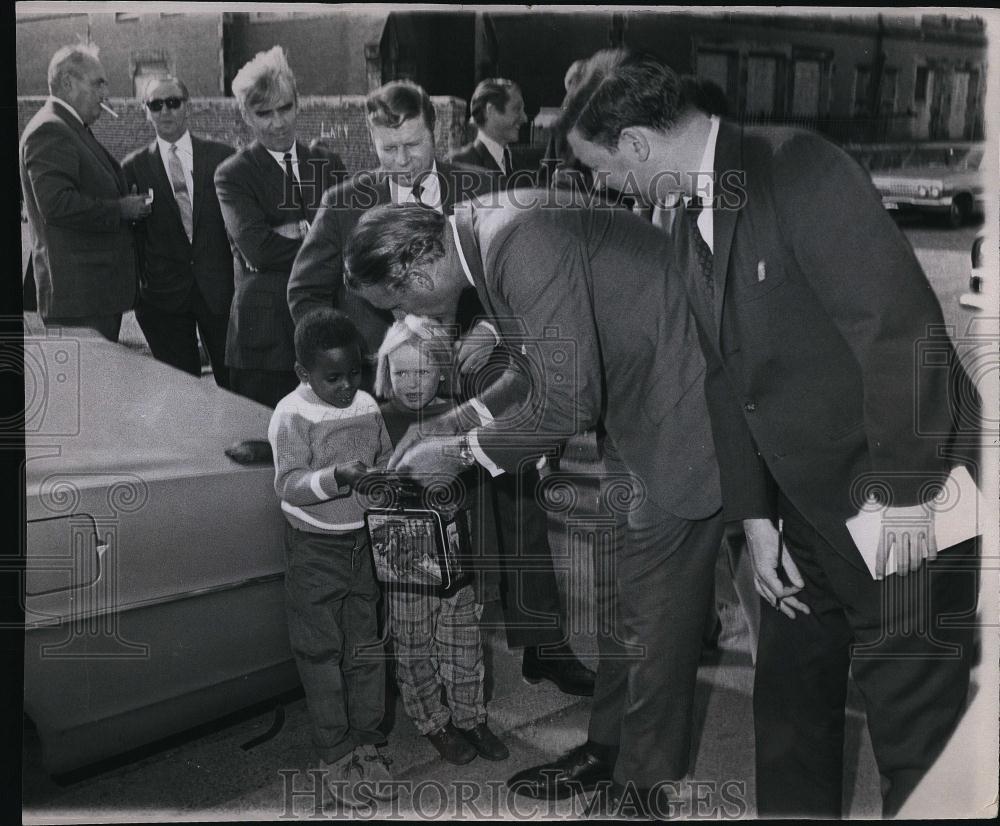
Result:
332,601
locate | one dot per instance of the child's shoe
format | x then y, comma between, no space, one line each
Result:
485,742
376,769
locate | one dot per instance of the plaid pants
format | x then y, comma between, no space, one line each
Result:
438,643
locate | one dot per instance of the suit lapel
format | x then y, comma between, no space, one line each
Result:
728,156
485,158
272,174
465,224
201,176
93,145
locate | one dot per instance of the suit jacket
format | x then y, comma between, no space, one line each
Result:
317,279
817,378
595,298
83,255
251,190
475,154
170,264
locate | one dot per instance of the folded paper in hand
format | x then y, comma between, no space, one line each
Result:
957,513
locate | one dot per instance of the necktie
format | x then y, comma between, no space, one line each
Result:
418,191
701,248
508,162
179,185
293,193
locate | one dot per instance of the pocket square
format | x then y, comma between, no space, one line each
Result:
761,270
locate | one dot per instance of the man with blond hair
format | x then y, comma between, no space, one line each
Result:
78,205
269,192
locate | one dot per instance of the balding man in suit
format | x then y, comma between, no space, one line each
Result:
75,194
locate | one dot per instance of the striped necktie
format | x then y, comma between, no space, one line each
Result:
181,195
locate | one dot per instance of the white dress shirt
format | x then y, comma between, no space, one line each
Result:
279,157
704,188
185,153
430,194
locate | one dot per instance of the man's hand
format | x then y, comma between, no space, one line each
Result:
431,455
351,474
768,552
907,532
293,230
446,425
133,206
474,349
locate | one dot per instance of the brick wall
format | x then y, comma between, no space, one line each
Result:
340,119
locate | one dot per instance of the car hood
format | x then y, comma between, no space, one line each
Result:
95,407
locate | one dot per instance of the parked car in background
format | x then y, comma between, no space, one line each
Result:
154,570
936,179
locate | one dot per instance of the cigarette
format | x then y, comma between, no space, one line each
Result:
109,110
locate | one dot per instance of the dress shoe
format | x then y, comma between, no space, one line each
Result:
579,770
485,742
619,802
560,666
451,745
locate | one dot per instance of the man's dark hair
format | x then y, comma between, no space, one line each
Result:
324,328
389,242
398,101
616,89
495,90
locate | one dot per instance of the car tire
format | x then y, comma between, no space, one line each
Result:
958,212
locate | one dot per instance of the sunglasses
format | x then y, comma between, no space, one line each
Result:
156,104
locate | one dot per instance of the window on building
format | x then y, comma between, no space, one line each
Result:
887,98
806,75
126,17
862,81
762,79
920,84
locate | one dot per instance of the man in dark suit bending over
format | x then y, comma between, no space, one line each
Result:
186,264
596,349
401,122
812,312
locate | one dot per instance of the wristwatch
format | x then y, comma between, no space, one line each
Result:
465,453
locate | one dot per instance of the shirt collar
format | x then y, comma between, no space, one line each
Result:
280,156
494,148
706,182
461,253
184,147
67,107
430,193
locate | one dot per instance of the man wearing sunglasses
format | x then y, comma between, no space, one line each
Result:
185,262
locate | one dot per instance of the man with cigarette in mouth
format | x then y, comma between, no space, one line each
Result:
79,207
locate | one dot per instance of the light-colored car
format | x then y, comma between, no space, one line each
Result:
935,179
154,576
